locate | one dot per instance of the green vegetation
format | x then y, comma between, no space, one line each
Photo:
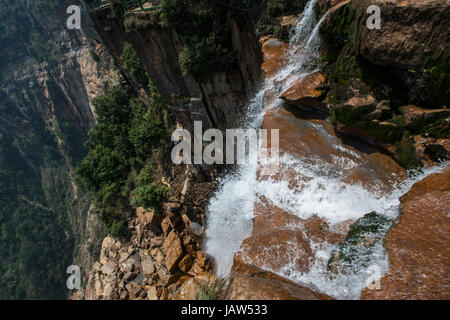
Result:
405,151
17,30
270,22
34,249
202,26
355,252
133,65
128,137
213,289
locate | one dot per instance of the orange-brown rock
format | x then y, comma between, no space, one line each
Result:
250,283
274,56
174,250
276,248
414,114
186,263
307,92
418,245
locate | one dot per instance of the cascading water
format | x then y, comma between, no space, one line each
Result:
319,190
231,209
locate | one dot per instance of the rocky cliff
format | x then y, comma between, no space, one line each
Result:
46,104
216,99
162,258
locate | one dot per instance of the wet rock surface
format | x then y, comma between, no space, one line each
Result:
417,245
307,92
251,283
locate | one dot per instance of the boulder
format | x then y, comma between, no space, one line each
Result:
359,104
173,249
107,245
274,56
166,225
420,34
152,293
250,283
147,266
416,116
307,92
417,245
186,263
134,290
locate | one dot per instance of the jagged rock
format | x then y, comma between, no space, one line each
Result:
156,241
166,278
418,116
130,264
148,217
166,225
128,276
98,288
186,263
147,266
174,250
189,244
124,295
152,293
123,256
417,245
108,291
134,290
158,256
307,92
173,208
90,288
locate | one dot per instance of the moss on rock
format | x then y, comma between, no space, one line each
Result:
356,250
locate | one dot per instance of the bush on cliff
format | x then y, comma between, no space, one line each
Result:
126,136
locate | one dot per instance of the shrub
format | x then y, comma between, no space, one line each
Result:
149,196
133,64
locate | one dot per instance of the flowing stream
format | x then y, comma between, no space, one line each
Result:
320,192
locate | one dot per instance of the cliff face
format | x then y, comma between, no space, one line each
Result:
390,85
216,99
163,257
46,116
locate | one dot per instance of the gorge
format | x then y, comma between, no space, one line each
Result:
357,207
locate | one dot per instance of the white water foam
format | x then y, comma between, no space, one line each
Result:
231,209
323,193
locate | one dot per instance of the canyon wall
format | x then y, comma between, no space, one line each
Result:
47,112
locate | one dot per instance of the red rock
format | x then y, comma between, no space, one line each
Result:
307,92
186,263
250,283
173,249
419,256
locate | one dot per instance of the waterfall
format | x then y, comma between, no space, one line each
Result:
231,209
321,192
